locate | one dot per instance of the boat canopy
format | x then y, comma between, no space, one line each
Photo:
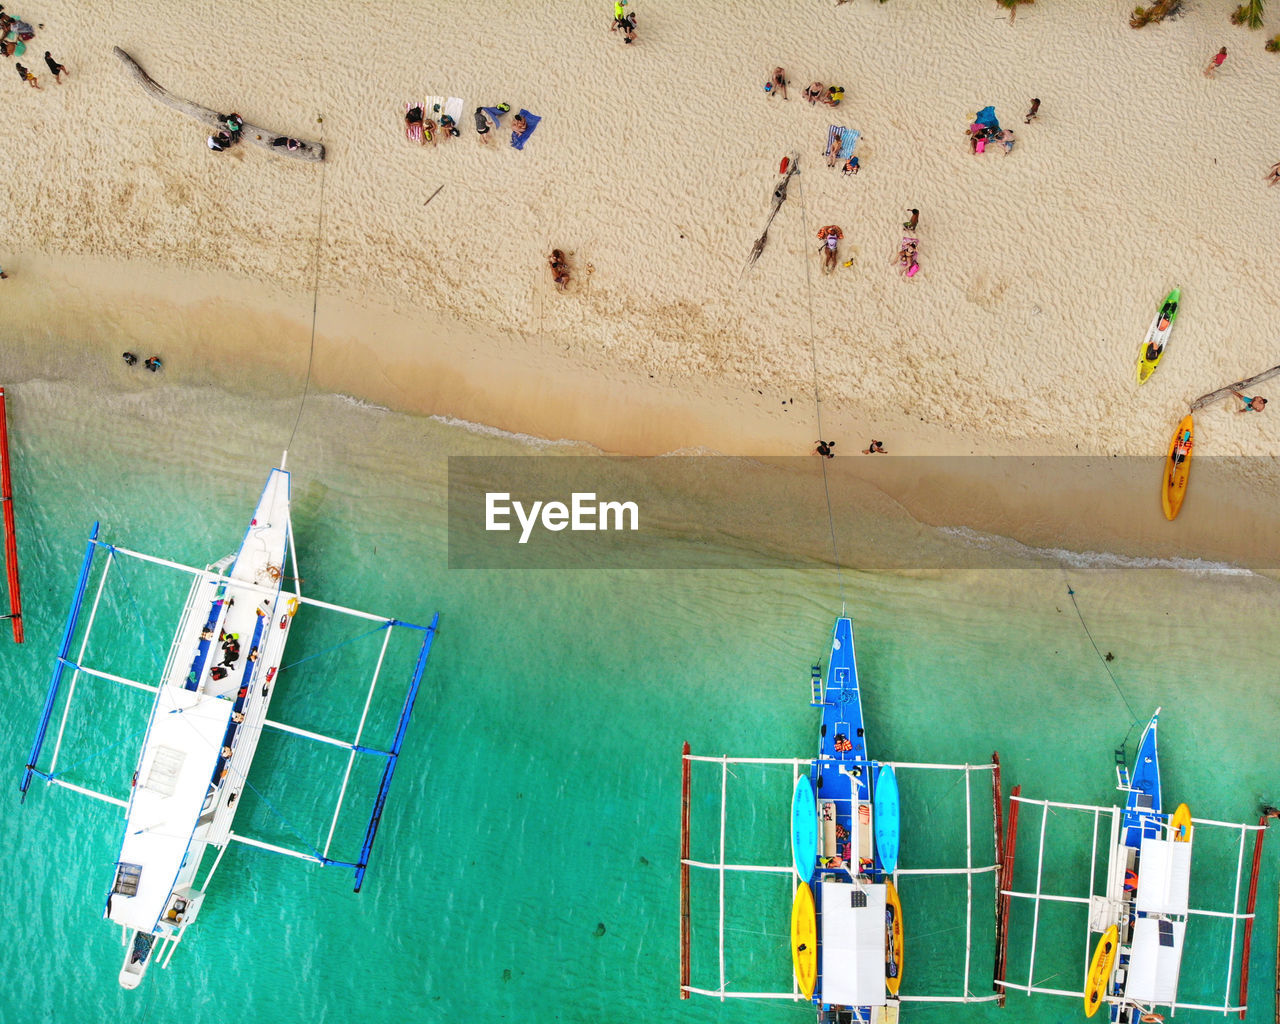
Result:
183,745
852,943
1154,959
1164,881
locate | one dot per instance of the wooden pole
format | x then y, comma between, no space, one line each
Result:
1248,909
1006,882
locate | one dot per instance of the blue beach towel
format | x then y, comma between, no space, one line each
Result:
987,117
518,139
495,115
849,140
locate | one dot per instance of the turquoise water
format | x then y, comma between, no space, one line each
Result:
527,867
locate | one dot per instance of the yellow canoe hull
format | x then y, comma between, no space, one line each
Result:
894,936
804,940
1180,824
1104,958
1177,468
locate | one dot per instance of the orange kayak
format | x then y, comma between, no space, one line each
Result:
1177,468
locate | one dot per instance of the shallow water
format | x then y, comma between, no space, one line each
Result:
527,866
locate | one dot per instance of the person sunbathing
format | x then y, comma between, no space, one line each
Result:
813,93
559,269
519,125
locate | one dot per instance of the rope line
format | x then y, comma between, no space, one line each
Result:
133,599
315,302
349,640
72,767
817,397
1101,657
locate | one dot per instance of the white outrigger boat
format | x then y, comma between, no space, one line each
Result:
209,712
845,872
1141,914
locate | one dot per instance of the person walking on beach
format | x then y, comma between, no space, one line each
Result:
910,225
27,76
1218,58
153,363
129,359
1256,403
777,84
55,69
1033,113
3,275
482,125
875,448
823,448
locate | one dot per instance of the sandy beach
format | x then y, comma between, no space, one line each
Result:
653,166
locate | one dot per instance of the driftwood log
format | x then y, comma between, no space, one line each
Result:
313,151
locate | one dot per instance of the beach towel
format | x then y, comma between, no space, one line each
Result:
495,115
413,132
987,118
434,107
834,132
518,139
453,107
849,140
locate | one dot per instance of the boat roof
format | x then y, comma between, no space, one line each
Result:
1155,957
1164,877
851,943
184,738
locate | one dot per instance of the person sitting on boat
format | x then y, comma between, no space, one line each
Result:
1154,350
253,654
225,752
1182,449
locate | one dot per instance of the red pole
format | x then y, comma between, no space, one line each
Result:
10,534
1006,882
1248,909
684,873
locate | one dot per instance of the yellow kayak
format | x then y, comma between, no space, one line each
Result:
1180,824
1177,468
893,928
1104,958
804,940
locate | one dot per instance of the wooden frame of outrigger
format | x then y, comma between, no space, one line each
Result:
360,865
1007,893
721,868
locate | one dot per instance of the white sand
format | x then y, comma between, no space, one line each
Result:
654,165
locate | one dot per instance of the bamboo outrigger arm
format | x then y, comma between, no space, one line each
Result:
264,137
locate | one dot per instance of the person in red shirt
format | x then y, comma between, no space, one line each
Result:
1216,63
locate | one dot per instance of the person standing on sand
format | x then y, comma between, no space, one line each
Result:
1273,176
823,448
27,76
55,69
910,225
1216,63
1251,404
833,148
1033,113
3,275
777,84
482,125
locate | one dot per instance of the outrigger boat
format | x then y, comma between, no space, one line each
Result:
209,713
1141,914
846,930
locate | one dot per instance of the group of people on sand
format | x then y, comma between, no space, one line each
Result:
624,21
23,33
228,135
827,450
152,363
815,92
421,127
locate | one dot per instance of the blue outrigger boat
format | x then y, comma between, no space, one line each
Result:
859,926
1142,805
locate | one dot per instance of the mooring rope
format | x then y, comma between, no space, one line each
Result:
1133,719
817,396
315,302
